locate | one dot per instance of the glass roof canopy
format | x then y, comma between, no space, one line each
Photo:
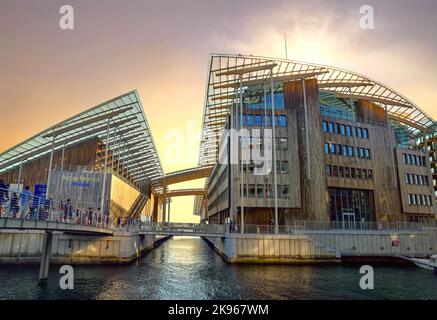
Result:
129,139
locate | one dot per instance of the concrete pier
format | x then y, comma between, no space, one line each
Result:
45,258
27,247
323,246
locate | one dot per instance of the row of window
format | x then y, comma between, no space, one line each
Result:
262,191
281,167
281,143
416,179
345,130
347,151
348,172
414,160
260,120
419,200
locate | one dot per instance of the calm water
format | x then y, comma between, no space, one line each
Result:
186,268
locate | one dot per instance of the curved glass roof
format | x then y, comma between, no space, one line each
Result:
129,139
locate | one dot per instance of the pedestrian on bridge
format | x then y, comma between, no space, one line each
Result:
25,197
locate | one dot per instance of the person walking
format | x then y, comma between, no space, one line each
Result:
68,211
25,197
14,205
3,195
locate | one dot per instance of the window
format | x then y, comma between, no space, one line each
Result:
424,161
283,121
370,174
328,170
345,151
268,121
338,149
331,127
351,151
327,148
354,173
361,152
250,120
335,171
337,128
409,160
276,120
405,158
367,153
360,132
410,202
364,174
258,120
285,192
355,132
349,130
343,130
358,173
260,190
347,172
366,133
285,168
244,120
341,172
325,126
252,191
333,148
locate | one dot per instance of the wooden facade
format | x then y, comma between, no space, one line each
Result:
381,171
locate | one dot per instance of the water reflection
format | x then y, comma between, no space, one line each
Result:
186,268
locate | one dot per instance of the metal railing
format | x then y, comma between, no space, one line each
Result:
22,205
183,228
333,225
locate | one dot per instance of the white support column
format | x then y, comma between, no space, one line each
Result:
62,169
45,258
353,131
102,201
19,172
307,138
392,149
241,156
169,205
49,173
164,204
275,187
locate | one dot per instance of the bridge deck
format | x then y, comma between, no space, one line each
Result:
18,224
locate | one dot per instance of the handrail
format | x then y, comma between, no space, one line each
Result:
22,205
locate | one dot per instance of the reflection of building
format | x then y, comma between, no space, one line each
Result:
106,152
345,145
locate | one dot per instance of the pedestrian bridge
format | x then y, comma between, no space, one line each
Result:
183,229
50,226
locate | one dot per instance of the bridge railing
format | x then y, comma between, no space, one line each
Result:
22,205
334,225
183,228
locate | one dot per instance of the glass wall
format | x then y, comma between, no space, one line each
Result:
350,203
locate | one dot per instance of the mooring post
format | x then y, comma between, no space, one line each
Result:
45,258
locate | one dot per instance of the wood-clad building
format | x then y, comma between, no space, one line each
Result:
343,153
102,159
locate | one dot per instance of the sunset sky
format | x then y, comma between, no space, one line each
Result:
161,48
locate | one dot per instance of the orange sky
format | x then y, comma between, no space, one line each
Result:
161,49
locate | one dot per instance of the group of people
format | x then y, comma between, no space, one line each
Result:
23,205
14,203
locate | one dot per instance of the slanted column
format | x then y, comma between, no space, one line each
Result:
45,258
169,203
